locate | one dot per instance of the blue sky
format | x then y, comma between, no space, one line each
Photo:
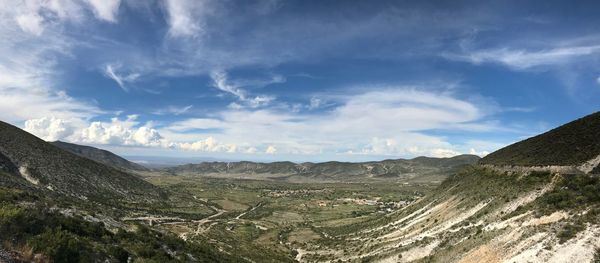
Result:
297,80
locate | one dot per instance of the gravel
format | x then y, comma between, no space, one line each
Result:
6,257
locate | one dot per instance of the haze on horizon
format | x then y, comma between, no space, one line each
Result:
296,80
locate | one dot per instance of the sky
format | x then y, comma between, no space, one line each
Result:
270,80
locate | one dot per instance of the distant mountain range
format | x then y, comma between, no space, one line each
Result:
26,158
400,168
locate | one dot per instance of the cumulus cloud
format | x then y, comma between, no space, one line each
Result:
50,129
480,153
271,150
207,145
120,132
105,9
126,132
116,132
444,153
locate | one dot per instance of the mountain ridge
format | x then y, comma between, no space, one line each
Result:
332,169
572,144
100,155
50,168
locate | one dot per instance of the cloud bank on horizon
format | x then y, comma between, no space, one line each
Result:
296,80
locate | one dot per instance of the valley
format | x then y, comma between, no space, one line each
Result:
282,218
460,209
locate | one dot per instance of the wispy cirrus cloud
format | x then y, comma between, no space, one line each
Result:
183,43
387,121
110,70
174,110
222,82
522,59
29,70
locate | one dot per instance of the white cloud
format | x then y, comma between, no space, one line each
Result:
209,144
174,110
28,67
198,123
598,80
105,9
222,82
525,59
444,153
251,150
41,103
480,153
271,150
34,15
483,148
110,71
314,103
388,121
186,17
31,23
28,77
119,132
127,132
50,129
116,132
259,101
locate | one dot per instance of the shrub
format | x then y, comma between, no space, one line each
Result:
569,231
62,246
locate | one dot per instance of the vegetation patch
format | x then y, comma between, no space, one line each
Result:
570,144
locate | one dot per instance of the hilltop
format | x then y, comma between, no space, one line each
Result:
102,156
50,168
571,144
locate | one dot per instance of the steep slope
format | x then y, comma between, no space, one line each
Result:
477,215
50,168
491,213
333,170
101,156
568,145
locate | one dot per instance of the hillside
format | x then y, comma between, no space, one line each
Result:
50,168
477,215
570,144
484,214
400,168
101,156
